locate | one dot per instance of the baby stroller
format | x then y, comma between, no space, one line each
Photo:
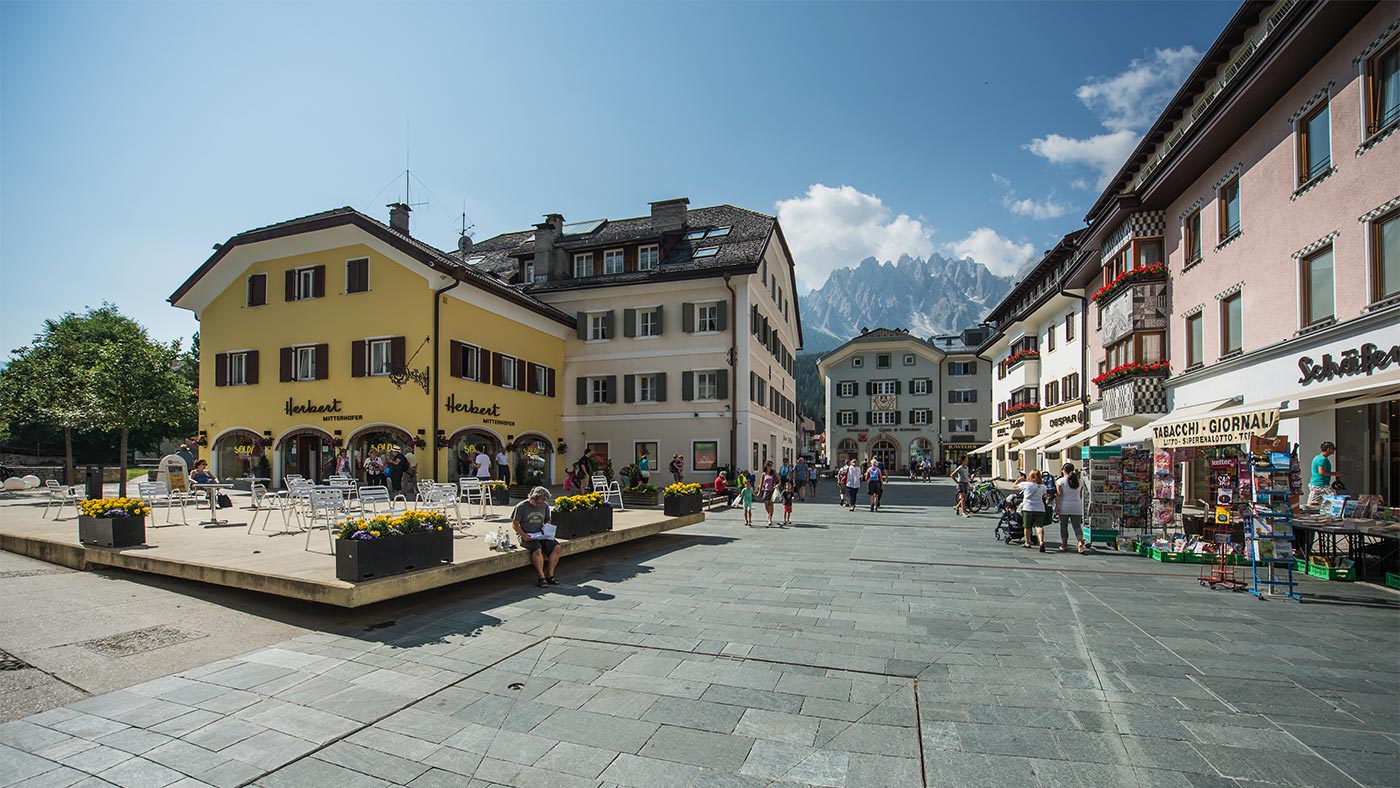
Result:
1010,528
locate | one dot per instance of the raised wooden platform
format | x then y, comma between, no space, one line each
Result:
277,563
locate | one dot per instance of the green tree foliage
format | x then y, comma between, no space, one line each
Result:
811,394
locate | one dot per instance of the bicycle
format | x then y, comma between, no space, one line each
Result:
984,496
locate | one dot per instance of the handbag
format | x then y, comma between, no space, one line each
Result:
224,501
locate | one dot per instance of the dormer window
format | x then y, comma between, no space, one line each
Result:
695,236
709,251
583,265
648,257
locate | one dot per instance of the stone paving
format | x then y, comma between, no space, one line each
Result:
899,648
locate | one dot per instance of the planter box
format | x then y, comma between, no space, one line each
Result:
652,498
519,492
679,505
112,531
500,496
572,525
357,559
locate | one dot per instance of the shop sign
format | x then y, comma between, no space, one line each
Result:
1002,432
1017,424
1364,360
294,408
1072,418
1103,452
706,455
862,437
1215,430
453,406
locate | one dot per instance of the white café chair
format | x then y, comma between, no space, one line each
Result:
608,489
472,491
373,497
159,494
420,488
328,507
267,502
441,498
60,496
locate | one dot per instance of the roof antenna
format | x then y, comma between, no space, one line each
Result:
464,242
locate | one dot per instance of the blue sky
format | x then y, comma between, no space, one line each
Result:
135,136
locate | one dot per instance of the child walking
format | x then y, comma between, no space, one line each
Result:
787,504
746,494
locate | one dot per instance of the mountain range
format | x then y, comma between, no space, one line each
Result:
930,296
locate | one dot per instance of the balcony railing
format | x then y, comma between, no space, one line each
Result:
1134,398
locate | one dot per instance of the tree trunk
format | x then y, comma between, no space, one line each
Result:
68,455
122,484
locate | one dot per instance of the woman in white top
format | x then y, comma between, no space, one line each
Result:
1069,505
1033,509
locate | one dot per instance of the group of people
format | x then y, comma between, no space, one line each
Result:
771,486
849,477
1040,496
392,469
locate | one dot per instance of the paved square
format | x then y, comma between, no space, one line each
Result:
898,648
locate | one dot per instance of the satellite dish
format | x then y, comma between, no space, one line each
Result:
464,245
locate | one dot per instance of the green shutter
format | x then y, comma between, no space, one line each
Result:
612,389
722,384
688,318
629,387
608,324
661,387
687,385
583,391
721,316
629,324
582,318
660,324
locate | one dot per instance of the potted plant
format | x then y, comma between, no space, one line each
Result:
366,548
682,499
579,515
520,486
500,493
112,522
641,495
1133,370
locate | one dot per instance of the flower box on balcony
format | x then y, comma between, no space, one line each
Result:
1016,410
1143,273
1134,370
1021,355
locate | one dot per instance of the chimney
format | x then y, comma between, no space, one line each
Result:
548,259
669,215
398,216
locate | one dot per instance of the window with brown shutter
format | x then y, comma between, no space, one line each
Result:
257,290
357,275
454,357
357,358
549,382
291,292
398,353
521,382
252,367
318,289
221,369
285,375
323,354
484,363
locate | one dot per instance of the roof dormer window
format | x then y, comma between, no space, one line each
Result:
709,251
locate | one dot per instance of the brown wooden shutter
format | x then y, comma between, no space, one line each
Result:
318,282
357,358
292,285
454,357
257,290
252,367
483,365
398,352
498,365
521,381
549,381
323,357
286,373
220,369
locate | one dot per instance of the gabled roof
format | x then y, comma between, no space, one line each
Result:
881,335
414,248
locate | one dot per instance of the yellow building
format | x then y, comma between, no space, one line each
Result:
336,331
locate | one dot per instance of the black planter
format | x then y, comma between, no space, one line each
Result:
519,491
112,531
572,525
641,498
366,559
680,505
500,496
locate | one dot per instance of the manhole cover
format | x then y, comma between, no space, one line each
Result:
9,661
517,686
139,640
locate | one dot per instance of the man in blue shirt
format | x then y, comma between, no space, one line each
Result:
1322,474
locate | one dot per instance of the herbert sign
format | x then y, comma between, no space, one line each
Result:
470,406
1358,361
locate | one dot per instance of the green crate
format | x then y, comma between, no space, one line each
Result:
1105,535
1143,548
1166,557
1392,579
1323,572
1300,565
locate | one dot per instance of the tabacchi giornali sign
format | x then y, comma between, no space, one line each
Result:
1214,430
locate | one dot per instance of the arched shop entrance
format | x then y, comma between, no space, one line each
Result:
305,451
463,448
240,453
380,437
886,452
846,451
534,456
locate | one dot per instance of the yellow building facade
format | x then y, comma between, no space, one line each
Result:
336,332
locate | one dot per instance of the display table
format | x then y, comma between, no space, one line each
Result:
213,489
1370,546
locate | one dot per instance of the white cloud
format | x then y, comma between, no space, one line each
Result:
1126,104
1036,209
830,228
1001,255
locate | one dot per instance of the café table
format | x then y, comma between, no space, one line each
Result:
213,489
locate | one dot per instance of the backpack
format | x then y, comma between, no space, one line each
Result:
841,474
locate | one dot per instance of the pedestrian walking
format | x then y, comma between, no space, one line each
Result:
875,484
503,466
852,483
787,504
677,468
1033,509
784,472
342,464
768,489
962,477
374,468
483,465
746,495
644,468
1069,505
396,468
799,478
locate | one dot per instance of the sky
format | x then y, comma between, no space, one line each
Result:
134,136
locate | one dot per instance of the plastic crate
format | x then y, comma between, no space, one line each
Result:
1106,535
1324,572
1392,579
1300,565
1166,557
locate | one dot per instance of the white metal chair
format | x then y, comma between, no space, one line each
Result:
327,506
159,494
421,487
608,489
375,496
61,496
441,498
267,502
472,491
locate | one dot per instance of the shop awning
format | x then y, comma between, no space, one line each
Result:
1047,438
1135,435
1380,387
991,447
1084,436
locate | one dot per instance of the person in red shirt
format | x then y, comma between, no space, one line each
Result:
722,488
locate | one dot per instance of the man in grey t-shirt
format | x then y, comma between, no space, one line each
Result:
529,519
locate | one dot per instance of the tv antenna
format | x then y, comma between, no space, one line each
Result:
464,241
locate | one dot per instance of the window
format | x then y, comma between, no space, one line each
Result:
846,388
304,363
539,379
529,273
237,369
257,290
718,232
857,361
612,261
649,323
709,251
919,386
1150,348
1147,252
1195,341
908,359
597,391
882,361
1231,325
1069,327
306,283
962,368
507,368
695,235
1229,198
962,425
357,275
919,416
846,418
471,361
646,388
706,385
1314,144
882,418
1069,386
648,257
1050,338
598,326
957,396
583,265
1383,88
883,387
1318,304
380,356
706,317
1385,254
1191,237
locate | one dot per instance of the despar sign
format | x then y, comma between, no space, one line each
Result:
1214,430
1365,360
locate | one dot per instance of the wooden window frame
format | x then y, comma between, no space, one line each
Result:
248,292
370,343
1222,214
1305,286
1191,237
642,255
1373,120
1305,166
1378,259
583,257
1192,360
296,356
348,279
1225,323
621,261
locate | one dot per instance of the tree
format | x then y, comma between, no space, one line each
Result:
50,381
